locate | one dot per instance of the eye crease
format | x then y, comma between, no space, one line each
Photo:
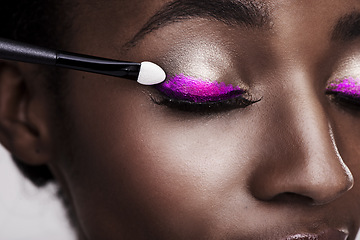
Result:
197,95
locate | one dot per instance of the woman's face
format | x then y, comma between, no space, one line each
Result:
286,165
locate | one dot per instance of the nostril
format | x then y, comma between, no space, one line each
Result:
314,184
292,198
309,172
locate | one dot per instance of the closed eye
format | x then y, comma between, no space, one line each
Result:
206,107
345,92
346,100
196,95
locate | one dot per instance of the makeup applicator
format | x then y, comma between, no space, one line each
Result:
146,73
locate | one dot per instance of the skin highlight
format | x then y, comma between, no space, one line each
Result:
133,169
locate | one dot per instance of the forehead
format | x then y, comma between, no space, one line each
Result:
118,21
139,9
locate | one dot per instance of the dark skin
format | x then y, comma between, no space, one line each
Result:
132,169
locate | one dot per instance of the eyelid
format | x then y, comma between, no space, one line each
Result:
345,91
191,94
347,85
197,90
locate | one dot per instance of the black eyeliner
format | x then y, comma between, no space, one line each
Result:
205,107
345,100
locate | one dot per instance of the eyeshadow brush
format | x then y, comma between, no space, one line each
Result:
146,73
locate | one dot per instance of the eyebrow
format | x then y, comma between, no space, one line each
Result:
247,13
347,27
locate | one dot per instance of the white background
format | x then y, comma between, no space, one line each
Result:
26,212
29,213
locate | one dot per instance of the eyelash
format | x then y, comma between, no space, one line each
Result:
206,107
345,100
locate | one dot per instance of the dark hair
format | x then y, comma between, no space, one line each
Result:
37,22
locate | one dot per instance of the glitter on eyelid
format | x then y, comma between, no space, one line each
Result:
347,86
187,88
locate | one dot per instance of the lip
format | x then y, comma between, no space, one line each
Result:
329,234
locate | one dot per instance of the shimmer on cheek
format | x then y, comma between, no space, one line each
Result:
347,86
196,90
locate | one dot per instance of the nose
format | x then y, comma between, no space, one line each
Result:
300,158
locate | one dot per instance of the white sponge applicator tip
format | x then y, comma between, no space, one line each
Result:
150,74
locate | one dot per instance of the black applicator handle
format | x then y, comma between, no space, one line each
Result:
23,52
12,50
105,66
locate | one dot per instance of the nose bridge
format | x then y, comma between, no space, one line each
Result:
319,169
306,160
309,124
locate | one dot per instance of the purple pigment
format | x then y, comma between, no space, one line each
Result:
347,86
192,89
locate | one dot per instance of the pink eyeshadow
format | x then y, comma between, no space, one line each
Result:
347,86
197,90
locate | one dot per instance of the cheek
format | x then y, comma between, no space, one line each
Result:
135,163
